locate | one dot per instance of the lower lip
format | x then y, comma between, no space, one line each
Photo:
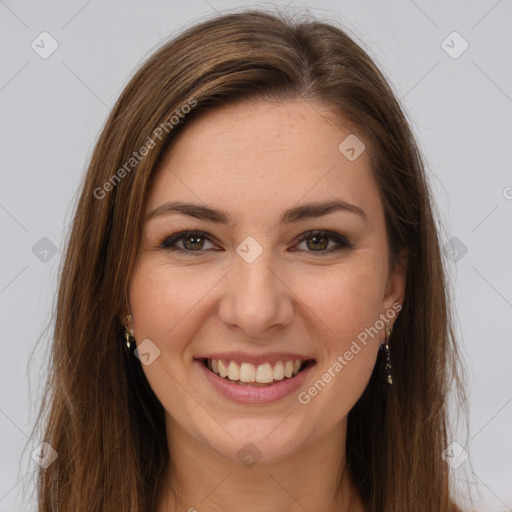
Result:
255,395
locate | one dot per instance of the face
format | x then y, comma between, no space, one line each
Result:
264,279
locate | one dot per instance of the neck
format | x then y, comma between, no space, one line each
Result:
312,477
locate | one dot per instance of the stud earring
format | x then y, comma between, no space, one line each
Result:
385,346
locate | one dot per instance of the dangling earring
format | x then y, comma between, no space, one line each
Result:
385,346
128,334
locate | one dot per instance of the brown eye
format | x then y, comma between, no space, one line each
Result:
318,241
192,241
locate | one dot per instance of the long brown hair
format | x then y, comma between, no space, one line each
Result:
99,413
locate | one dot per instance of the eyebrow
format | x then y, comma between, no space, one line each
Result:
295,214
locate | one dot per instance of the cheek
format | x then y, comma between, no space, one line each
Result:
345,299
162,296
162,301
346,308
346,302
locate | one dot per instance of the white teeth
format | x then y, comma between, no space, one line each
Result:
279,371
223,371
288,369
264,373
233,371
249,373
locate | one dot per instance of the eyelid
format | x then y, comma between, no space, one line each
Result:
341,241
180,235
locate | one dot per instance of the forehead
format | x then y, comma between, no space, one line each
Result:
263,158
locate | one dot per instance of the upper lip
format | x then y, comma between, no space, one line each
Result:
243,357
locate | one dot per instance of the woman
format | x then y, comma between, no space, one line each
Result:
253,311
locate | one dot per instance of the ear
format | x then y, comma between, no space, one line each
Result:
395,287
124,313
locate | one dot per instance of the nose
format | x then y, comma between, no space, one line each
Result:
257,298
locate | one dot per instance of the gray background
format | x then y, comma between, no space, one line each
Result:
53,109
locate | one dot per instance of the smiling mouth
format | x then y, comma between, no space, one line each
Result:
263,375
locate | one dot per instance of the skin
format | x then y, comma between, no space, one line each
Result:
255,160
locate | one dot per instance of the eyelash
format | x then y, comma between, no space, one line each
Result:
168,242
